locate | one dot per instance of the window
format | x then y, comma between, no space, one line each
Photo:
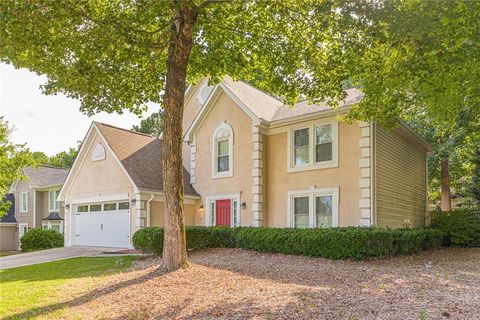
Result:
313,208
98,153
212,215
109,207
313,147
301,146
50,225
235,213
95,207
82,209
55,227
24,202
301,211
323,143
53,204
222,162
123,206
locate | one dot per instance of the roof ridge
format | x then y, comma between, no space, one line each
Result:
52,167
127,130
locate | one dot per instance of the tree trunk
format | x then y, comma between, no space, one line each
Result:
446,203
181,42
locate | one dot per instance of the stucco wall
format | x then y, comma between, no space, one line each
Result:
157,214
400,188
346,176
226,110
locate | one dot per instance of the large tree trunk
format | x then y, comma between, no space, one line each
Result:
446,203
174,247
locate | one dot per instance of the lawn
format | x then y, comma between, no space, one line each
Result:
25,290
240,284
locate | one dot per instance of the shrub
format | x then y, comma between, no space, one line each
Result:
461,227
39,239
334,243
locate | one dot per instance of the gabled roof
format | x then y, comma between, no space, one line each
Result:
141,156
10,216
45,176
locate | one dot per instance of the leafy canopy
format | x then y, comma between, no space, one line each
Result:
152,125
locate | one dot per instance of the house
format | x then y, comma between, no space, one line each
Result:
249,161
34,204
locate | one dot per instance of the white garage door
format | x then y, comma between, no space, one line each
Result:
103,225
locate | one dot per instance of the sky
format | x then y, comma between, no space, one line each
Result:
50,124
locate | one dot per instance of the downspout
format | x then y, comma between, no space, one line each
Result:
148,209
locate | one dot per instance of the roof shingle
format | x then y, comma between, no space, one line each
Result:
45,176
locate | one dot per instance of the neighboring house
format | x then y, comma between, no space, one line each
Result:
8,226
251,161
35,200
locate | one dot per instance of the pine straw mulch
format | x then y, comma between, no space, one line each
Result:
239,284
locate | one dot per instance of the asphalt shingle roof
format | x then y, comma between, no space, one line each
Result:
10,216
141,156
45,176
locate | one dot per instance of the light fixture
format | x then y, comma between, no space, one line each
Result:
67,206
200,208
133,201
243,205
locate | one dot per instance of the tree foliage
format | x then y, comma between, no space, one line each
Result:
153,124
13,158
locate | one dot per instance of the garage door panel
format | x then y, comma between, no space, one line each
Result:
106,229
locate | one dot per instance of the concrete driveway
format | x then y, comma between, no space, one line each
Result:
26,259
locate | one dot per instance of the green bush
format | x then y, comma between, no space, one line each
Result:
334,243
461,227
39,239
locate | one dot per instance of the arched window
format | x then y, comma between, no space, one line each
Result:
98,153
223,151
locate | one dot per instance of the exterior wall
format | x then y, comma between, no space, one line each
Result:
225,109
24,217
8,237
400,186
345,176
157,214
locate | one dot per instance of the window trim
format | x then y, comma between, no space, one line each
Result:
57,193
311,194
20,226
21,209
49,225
229,173
210,205
312,164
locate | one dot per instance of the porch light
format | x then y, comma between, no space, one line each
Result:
243,205
133,201
200,208
67,206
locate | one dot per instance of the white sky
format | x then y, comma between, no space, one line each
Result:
48,123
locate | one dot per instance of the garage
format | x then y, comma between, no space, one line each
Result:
103,224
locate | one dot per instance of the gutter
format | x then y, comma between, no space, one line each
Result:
148,209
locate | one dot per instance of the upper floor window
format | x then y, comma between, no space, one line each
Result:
24,202
223,151
53,204
313,147
98,153
314,208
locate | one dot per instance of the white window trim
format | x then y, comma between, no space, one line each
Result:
20,226
229,173
312,165
98,152
50,223
208,205
311,194
21,209
50,209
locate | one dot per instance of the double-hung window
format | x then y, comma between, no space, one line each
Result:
313,147
53,204
222,157
313,208
24,202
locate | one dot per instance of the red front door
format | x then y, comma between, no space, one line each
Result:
222,211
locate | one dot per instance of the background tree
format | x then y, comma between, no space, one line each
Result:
153,124
13,158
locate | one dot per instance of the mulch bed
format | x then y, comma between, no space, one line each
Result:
239,284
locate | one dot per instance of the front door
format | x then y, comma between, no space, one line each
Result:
223,208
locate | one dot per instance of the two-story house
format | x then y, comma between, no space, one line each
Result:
35,203
249,161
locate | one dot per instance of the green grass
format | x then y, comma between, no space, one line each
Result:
24,290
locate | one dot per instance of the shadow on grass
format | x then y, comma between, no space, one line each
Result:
41,311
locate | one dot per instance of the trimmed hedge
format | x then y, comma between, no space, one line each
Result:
333,243
461,227
39,239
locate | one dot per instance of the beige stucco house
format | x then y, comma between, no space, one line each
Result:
34,205
249,161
